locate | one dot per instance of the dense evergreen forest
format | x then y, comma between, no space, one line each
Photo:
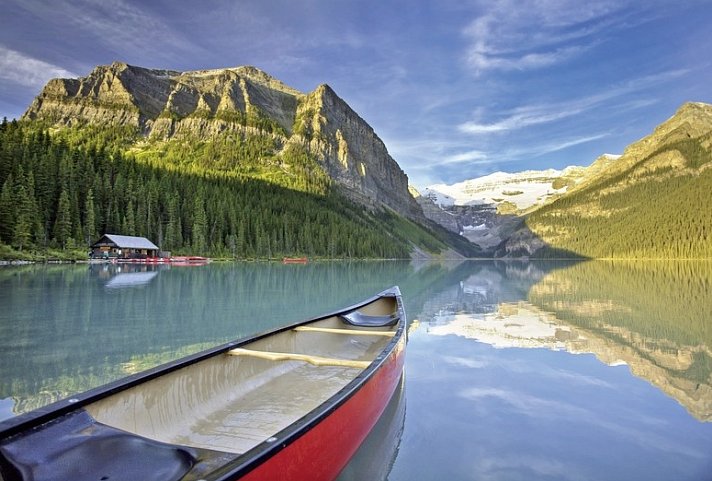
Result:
664,213
62,190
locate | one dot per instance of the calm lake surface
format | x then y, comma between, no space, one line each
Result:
514,371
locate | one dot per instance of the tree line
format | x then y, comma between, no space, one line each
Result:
667,213
62,190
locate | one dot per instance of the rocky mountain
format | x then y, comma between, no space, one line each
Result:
164,106
508,191
488,210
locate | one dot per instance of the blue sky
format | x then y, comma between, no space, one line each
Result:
456,89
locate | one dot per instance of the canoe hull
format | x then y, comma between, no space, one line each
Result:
290,404
325,449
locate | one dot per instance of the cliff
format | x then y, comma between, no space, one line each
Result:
208,105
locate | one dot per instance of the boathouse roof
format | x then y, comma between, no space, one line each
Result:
127,242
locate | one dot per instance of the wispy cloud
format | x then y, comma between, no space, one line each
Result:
21,69
515,35
471,157
482,61
529,115
523,117
123,27
556,146
514,154
426,160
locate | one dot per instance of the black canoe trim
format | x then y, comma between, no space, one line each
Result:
266,450
355,318
76,447
259,454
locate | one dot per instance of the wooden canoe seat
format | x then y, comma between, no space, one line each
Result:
344,331
288,356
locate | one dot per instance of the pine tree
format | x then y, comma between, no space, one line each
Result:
22,230
7,207
200,225
89,218
130,220
63,224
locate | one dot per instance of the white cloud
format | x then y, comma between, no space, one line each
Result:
124,28
555,147
21,69
528,115
482,61
522,117
471,157
516,35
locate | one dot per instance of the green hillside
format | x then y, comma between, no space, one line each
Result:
62,190
653,203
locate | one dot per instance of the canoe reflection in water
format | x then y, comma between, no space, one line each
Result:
374,459
291,404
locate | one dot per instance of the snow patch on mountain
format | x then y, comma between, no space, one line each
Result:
523,189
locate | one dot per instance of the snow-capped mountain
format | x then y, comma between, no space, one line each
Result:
522,189
488,210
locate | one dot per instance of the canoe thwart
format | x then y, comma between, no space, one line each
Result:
344,331
286,356
355,318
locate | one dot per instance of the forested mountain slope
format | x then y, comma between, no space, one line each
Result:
227,162
653,202
237,120
63,190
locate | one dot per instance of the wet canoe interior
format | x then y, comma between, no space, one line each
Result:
232,402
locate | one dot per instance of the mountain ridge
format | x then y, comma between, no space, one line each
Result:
647,202
651,202
204,105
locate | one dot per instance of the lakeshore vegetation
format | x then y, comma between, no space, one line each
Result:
61,190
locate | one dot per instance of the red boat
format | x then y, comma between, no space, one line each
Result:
295,260
290,404
177,260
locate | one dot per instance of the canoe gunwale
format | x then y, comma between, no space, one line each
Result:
261,453
264,451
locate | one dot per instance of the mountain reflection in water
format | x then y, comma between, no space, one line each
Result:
494,391
654,317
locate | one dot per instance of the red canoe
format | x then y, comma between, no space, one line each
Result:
295,260
291,404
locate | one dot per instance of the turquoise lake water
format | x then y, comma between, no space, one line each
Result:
514,371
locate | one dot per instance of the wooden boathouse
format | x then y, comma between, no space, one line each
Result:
113,246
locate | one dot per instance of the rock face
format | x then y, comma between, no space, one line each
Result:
352,153
164,104
436,213
488,210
